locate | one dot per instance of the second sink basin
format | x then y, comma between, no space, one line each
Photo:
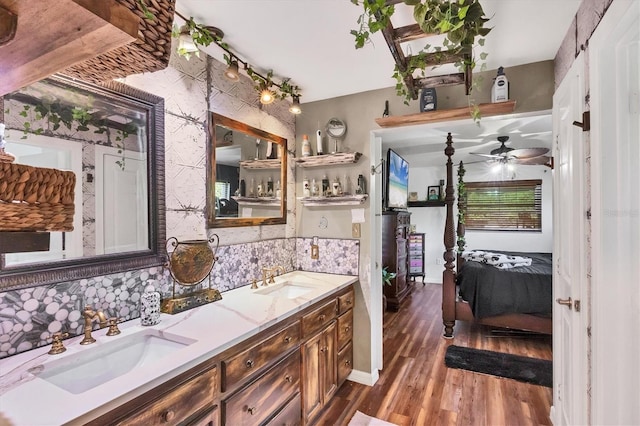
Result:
103,362
286,290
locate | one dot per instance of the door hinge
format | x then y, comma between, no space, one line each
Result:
576,305
589,214
586,121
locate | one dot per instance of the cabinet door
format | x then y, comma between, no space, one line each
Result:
329,362
311,381
320,370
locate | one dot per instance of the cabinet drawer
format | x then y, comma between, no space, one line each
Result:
179,404
289,415
259,400
345,363
345,302
240,366
415,263
415,270
317,319
345,328
402,248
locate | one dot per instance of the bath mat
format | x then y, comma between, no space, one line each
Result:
361,419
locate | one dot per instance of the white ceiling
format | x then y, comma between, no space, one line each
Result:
309,40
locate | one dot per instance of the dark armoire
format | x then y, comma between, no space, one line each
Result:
395,243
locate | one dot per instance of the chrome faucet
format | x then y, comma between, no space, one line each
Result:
89,316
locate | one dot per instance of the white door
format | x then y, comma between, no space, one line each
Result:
614,58
569,289
121,201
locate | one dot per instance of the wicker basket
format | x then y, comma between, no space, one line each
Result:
150,52
35,198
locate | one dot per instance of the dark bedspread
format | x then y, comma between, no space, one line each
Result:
491,291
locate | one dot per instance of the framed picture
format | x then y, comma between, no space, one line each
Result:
433,193
413,196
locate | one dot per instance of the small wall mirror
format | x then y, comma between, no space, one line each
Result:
112,138
247,175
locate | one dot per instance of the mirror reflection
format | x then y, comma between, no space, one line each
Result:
247,175
106,141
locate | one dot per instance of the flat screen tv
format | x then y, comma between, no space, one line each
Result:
397,183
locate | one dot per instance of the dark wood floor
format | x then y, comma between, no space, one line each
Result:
416,388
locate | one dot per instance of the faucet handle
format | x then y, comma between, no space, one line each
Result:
57,347
113,326
271,280
254,284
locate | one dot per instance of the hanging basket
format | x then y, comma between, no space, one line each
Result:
150,52
36,198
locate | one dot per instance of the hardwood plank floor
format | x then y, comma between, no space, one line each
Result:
416,388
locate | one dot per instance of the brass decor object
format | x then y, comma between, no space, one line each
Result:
190,263
113,326
149,52
89,316
36,198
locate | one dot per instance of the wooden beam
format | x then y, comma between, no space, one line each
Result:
21,242
409,32
486,110
439,58
399,58
53,35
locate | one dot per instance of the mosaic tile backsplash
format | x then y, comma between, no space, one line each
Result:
29,317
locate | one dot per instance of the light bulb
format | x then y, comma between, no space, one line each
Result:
266,97
295,106
232,71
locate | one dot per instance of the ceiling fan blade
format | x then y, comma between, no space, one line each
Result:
525,153
488,155
541,160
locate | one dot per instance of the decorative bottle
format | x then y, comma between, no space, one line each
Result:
319,150
325,185
150,306
306,146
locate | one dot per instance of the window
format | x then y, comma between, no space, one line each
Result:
504,206
223,190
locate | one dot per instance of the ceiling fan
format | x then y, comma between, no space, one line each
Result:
527,156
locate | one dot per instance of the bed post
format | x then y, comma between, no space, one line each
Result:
448,276
462,211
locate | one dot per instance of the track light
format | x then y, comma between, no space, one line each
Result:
295,105
266,96
232,71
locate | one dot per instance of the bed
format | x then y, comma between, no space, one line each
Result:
520,297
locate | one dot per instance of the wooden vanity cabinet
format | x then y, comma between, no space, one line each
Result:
284,375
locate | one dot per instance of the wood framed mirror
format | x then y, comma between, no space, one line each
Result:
112,137
246,175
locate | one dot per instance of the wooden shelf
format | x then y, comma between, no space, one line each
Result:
53,35
437,203
261,164
329,159
486,110
345,200
257,201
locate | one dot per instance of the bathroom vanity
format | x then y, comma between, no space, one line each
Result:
272,355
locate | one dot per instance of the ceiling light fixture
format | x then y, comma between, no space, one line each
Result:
205,35
295,106
267,96
232,71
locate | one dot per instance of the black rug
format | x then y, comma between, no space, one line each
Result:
522,368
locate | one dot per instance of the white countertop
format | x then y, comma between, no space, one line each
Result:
26,399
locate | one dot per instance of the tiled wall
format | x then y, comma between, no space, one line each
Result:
29,316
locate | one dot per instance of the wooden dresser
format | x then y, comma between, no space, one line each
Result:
395,248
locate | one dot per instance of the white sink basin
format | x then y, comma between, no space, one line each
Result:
286,290
107,360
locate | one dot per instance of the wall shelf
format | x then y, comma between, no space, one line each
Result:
329,159
486,110
437,203
261,164
345,200
257,201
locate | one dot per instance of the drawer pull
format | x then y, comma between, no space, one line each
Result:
249,363
252,410
287,339
322,317
347,328
322,349
288,378
168,416
347,362
349,302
